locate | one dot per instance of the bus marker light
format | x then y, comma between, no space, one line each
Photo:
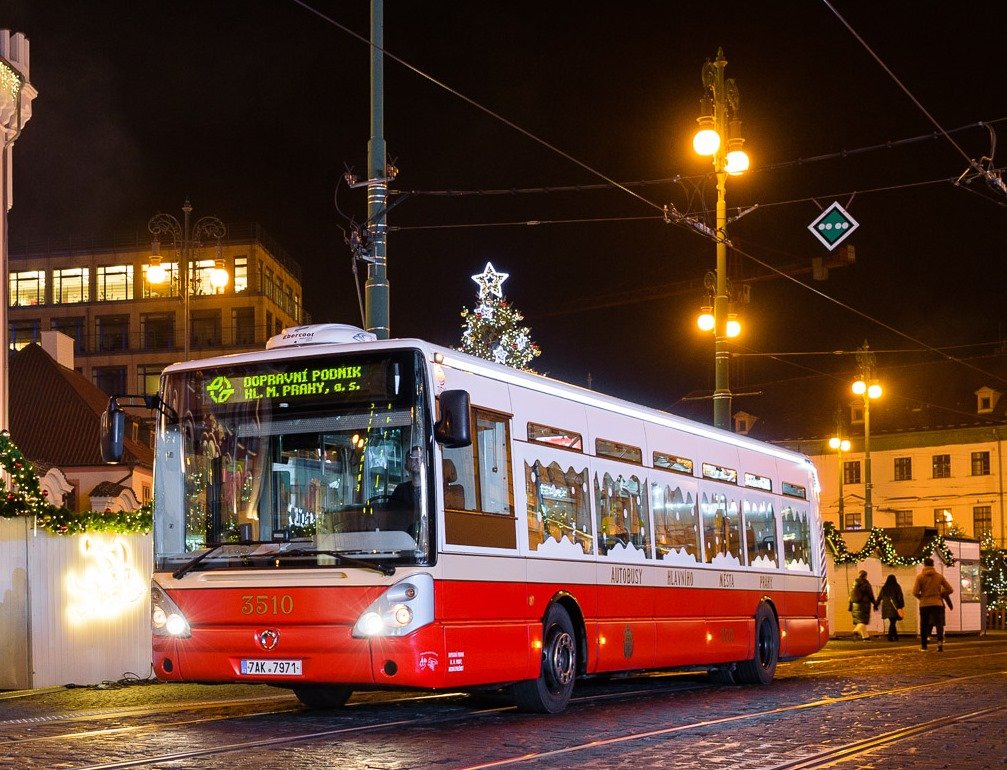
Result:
601,641
537,644
402,614
709,636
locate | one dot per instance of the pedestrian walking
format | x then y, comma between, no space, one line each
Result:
861,601
892,603
934,592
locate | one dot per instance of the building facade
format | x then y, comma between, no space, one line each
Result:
127,329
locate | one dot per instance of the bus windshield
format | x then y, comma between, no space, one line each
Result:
294,462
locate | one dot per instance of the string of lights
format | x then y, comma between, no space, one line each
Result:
879,541
25,497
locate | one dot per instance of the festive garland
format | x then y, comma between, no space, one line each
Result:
879,541
25,497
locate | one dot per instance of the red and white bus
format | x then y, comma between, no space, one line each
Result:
340,513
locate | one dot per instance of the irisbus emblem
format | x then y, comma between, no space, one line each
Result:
220,389
268,639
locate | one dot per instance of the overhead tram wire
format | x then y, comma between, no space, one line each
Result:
669,212
473,103
991,176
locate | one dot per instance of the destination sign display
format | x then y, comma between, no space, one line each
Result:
303,381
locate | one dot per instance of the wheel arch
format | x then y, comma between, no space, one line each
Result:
569,603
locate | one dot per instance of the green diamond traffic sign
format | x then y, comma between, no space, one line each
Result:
833,226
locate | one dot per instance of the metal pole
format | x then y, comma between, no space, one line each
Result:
841,519
868,504
376,313
186,261
722,354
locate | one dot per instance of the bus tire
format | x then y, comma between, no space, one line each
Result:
551,691
762,666
323,696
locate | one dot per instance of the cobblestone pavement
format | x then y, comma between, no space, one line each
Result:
848,692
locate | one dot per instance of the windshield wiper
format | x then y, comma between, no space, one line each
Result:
341,557
187,567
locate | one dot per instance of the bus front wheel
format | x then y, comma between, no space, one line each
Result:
551,691
762,666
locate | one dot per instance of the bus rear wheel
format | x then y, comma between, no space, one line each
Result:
323,696
762,666
551,691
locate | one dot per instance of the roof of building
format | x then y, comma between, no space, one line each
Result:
940,395
55,414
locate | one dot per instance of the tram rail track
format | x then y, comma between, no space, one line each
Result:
823,761
820,759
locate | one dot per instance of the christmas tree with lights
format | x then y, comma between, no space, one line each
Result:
994,572
492,329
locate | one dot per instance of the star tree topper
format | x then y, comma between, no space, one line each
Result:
490,281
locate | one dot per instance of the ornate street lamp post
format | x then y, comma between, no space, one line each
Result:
719,136
869,389
187,241
840,445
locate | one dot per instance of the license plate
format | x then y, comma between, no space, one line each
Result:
271,667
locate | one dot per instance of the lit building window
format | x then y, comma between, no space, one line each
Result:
70,285
169,287
943,520
26,288
114,282
148,377
201,274
240,274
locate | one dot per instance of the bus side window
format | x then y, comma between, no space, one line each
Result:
477,477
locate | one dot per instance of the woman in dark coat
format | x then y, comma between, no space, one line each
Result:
891,601
861,601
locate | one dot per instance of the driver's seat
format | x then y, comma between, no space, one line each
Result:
454,494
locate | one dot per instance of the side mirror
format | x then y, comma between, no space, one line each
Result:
113,432
453,429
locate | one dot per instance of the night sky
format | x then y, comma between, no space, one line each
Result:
253,110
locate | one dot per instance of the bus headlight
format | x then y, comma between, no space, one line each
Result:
403,608
166,619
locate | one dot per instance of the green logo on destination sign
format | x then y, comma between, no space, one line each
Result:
220,389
